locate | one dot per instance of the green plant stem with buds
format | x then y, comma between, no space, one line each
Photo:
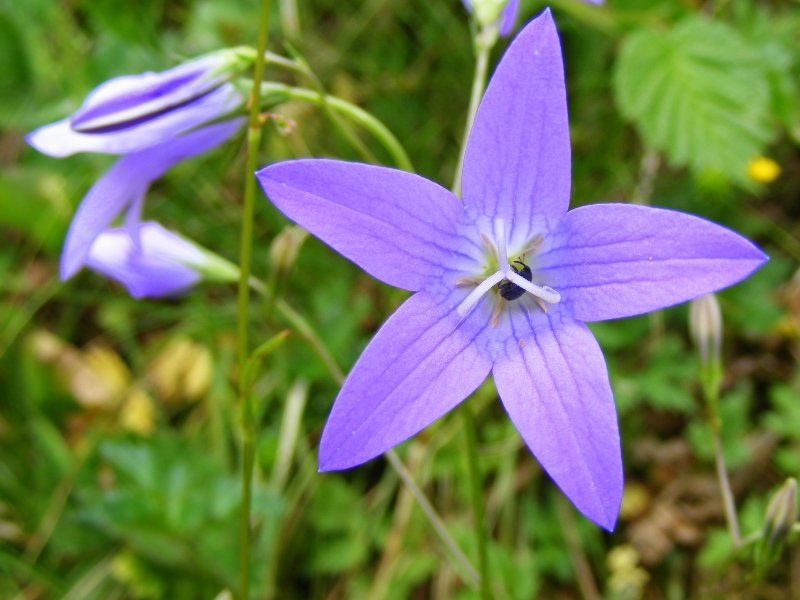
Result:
485,40
245,397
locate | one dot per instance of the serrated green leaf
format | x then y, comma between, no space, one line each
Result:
699,93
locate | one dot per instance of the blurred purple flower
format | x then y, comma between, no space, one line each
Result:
596,262
131,113
124,186
160,263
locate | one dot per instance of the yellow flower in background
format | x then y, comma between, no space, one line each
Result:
138,413
99,380
763,169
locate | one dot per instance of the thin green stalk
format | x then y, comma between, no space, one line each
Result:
433,517
359,115
722,472
477,498
245,397
580,565
484,42
299,65
307,332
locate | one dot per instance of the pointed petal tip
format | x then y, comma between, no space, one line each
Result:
608,524
609,519
602,511
335,461
67,269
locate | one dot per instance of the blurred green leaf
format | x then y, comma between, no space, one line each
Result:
15,76
698,92
663,383
338,542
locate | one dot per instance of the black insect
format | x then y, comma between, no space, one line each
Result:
510,290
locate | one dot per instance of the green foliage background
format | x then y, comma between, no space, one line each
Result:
669,100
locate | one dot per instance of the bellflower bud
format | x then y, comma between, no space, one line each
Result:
491,12
161,264
779,517
130,113
705,326
285,247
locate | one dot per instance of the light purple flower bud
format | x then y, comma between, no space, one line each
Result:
163,264
134,112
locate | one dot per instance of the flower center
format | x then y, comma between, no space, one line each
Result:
513,282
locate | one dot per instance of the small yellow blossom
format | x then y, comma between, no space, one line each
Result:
763,169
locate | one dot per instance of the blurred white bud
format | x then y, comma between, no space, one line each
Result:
779,517
705,325
781,513
285,247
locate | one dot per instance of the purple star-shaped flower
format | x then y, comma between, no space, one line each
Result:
503,281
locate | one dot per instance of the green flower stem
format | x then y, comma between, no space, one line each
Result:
434,518
484,42
722,473
580,564
299,65
477,498
307,332
359,115
245,397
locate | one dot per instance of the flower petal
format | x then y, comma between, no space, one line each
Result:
59,139
617,260
517,163
419,365
397,226
552,380
127,182
159,268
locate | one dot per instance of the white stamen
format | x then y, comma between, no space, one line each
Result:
500,238
478,293
547,294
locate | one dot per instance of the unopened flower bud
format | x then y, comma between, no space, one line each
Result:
491,12
285,247
781,513
705,325
779,517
